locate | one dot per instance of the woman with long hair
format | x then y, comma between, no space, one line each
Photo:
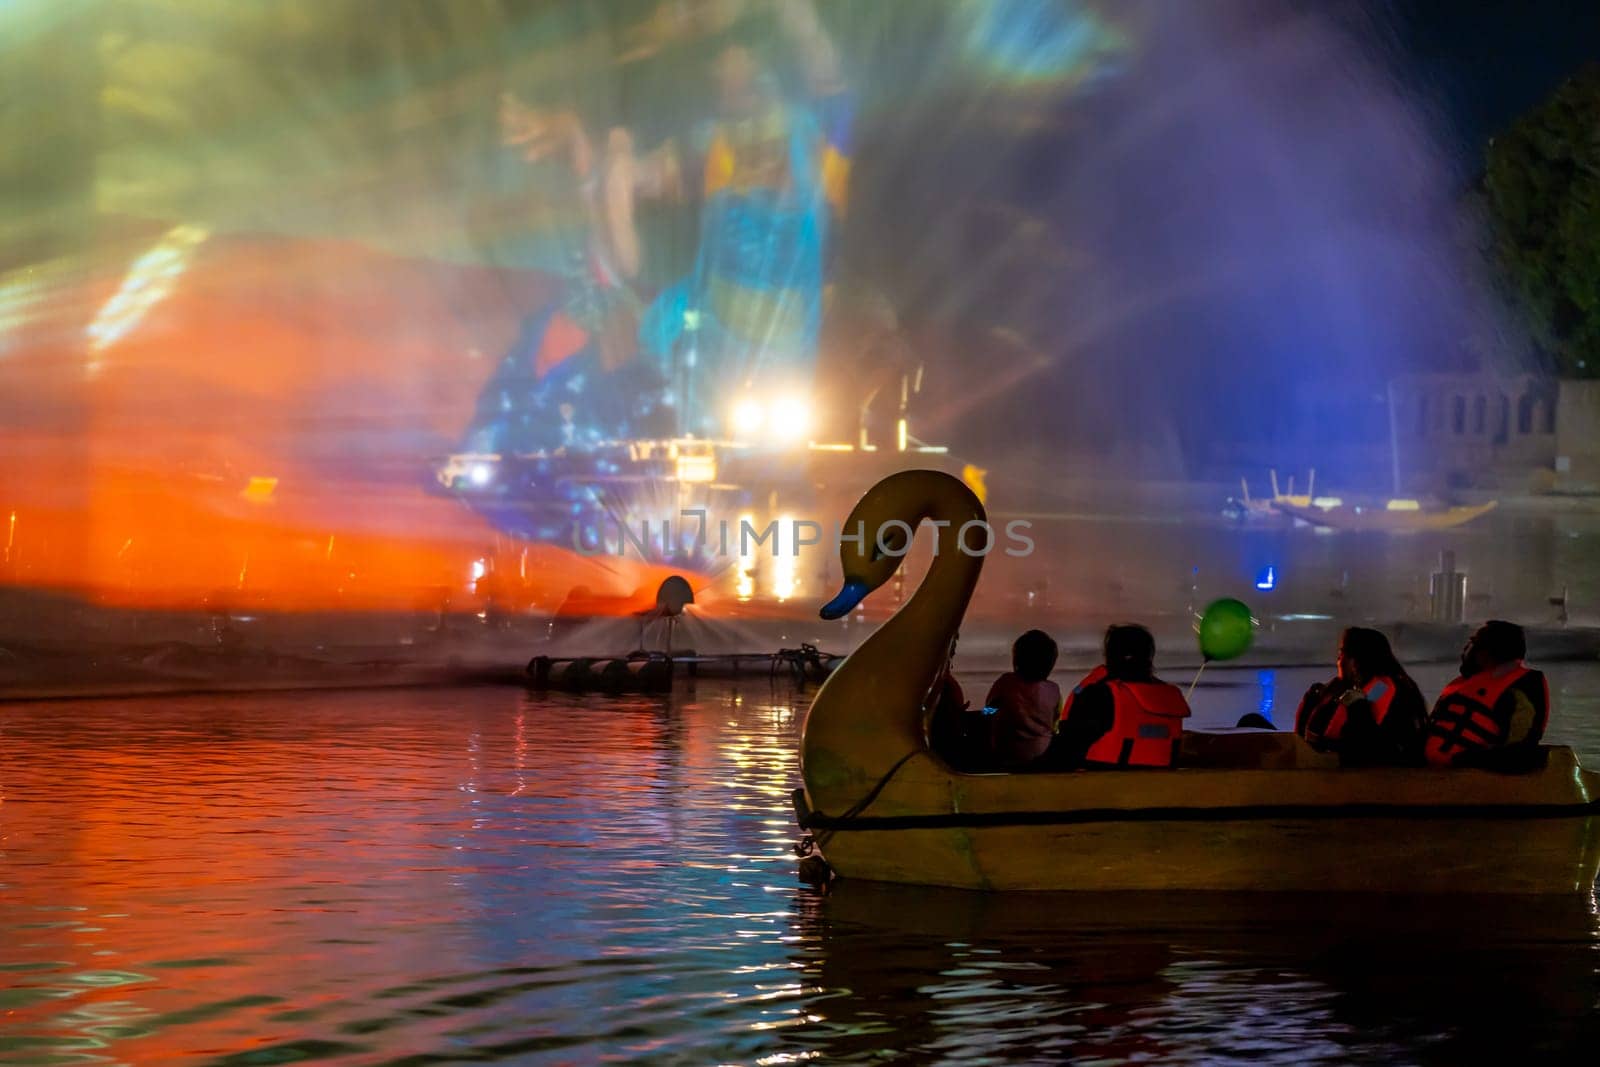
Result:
1370,712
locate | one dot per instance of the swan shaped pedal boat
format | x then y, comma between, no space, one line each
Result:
1248,810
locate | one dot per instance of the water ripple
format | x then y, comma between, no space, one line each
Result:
475,876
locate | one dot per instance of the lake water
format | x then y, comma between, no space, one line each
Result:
442,876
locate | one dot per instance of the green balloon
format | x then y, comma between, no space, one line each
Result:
1226,629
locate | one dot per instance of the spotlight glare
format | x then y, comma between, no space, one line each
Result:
748,418
791,420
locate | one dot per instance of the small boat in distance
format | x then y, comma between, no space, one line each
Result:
1245,508
1395,515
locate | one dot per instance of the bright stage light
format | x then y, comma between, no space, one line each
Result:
782,420
748,418
480,474
791,420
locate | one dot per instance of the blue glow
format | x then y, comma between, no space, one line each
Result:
1040,41
1267,579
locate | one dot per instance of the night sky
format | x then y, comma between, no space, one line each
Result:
1480,65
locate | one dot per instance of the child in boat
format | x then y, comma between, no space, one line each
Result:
1371,713
1023,704
1121,714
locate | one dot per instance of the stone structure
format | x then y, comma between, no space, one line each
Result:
1577,461
1478,430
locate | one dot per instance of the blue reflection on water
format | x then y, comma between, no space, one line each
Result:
1268,680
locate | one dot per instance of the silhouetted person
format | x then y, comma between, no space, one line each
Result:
955,732
1121,714
1494,714
1371,713
1023,704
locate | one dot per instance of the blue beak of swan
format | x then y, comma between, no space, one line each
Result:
853,593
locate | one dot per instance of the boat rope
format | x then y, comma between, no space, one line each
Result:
854,810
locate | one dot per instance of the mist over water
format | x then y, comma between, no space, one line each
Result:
1108,241
1252,227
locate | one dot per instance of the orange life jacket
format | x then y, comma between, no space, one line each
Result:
1321,726
1146,726
1468,718
1096,675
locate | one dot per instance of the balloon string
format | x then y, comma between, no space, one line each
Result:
1197,677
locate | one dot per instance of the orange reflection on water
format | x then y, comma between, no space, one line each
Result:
185,881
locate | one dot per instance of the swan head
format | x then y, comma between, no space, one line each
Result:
878,533
871,570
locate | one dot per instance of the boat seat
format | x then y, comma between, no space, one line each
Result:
1264,750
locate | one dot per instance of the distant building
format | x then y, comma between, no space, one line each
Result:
1577,462
1428,434
1453,431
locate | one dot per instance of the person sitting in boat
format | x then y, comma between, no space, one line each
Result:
1121,714
1494,714
955,731
1371,713
1023,703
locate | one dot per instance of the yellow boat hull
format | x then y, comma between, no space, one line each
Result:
1382,520
1284,819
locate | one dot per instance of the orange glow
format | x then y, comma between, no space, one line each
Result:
262,436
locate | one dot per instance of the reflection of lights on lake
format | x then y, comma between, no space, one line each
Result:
746,585
784,567
1268,680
